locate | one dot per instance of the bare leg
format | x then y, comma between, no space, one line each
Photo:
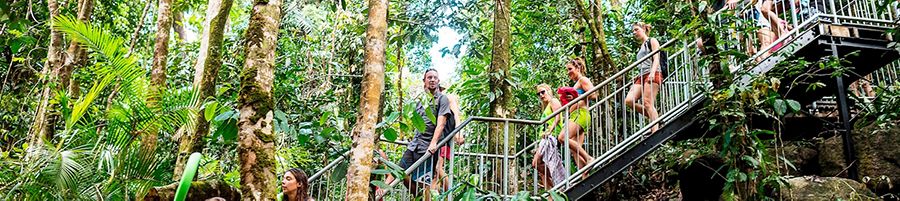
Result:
580,155
441,180
631,99
649,99
765,39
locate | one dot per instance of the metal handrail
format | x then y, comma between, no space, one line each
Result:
620,146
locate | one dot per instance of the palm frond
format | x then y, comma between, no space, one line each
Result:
118,65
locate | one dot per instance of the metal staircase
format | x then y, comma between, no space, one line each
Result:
615,138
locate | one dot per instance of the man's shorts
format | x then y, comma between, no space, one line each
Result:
424,172
445,152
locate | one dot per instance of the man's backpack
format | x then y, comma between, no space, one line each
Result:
663,60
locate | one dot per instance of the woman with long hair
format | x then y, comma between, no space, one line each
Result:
579,118
547,159
294,186
646,85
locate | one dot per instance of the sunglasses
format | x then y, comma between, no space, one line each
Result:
540,93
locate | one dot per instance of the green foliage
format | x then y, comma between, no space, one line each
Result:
97,155
884,110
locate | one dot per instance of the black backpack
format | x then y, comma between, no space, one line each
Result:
663,60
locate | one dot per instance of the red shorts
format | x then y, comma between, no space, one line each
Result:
646,78
445,152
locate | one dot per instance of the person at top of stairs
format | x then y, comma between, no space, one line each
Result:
547,159
646,84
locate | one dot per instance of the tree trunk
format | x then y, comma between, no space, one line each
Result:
708,38
200,191
178,26
158,71
140,25
77,56
161,48
206,71
256,143
44,118
369,104
499,71
601,61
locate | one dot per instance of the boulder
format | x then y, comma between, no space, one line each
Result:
825,188
878,154
803,158
701,180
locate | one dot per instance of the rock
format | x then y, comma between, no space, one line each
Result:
700,180
825,188
878,153
802,155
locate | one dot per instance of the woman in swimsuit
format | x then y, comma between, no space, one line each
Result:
579,118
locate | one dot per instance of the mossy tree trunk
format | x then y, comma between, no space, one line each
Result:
158,70
77,56
370,103
256,139
44,117
205,72
499,72
600,60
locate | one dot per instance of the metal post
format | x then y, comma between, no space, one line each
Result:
566,140
506,158
450,170
834,18
794,14
849,155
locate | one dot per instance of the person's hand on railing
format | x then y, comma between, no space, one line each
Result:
432,148
459,139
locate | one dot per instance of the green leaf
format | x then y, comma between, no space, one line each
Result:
430,114
280,116
780,107
702,6
225,115
752,161
228,130
795,106
324,118
418,122
556,196
380,184
209,109
381,171
390,134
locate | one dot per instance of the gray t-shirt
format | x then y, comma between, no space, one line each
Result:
644,66
440,106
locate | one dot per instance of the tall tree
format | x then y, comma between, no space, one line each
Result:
499,72
178,24
77,56
601,62
205,72
369,103
256,143
43,119
158,71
